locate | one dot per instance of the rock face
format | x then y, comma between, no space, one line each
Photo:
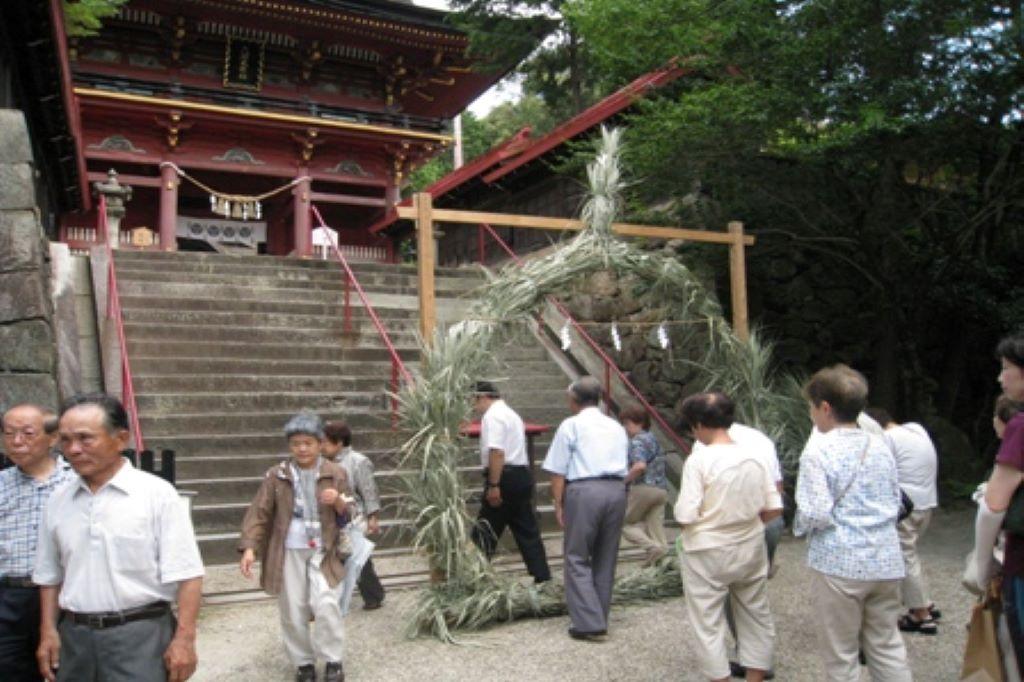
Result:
28,357
664,376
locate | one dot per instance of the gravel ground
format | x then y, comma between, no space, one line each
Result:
646,642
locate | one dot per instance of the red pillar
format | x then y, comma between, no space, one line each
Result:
302,238
168,208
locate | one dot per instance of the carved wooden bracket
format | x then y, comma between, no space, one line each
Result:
173,125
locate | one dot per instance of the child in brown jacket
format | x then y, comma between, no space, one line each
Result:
293,526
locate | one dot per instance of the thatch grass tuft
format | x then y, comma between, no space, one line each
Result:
470,594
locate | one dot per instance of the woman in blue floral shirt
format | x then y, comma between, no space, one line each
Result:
847,499
648,487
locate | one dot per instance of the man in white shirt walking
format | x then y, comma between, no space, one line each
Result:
588,462
917,468
116,546
508,483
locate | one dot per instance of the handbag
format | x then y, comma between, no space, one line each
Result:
983,660
906,506
1013,522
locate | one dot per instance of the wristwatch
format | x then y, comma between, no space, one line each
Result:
493,485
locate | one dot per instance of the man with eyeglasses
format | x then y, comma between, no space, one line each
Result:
29,437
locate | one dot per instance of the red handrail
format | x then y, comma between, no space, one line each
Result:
609,364
397,366
114,313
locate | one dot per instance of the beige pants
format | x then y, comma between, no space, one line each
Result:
305,595
645,518
913,588
741,572
855,614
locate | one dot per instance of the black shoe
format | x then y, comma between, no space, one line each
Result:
737,670
306,673
597,636
861,658
907,623
934,612
372,605
334,673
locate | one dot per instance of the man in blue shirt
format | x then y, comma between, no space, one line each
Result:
29,437
587,461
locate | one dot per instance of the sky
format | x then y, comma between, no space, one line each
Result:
503,91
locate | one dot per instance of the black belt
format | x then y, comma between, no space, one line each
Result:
101,621
606,477
17,581
508,467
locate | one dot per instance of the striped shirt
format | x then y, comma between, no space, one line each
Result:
22,499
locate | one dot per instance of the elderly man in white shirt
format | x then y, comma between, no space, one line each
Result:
917,468
116,546
508,483
587,461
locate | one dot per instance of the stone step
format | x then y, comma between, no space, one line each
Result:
181,314
178,348
220,547
226,515
213,262
145,366
213,423
213,383
317,305
268,439
241,288
241,489
287,278
152,404
314,334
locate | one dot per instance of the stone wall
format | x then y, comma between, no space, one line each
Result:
28,359
558,197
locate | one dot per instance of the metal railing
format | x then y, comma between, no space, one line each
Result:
114,314
610,367
398,368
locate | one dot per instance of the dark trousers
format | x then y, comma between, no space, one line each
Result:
370,588
19,634
1013,609
515,512
594,511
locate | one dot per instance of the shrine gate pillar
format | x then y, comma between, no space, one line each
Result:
168,207
302,238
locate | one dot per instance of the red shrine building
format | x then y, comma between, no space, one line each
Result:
230,118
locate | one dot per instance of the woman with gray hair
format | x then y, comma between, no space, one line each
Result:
293,525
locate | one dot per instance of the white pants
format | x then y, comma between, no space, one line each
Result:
859,613
305,595
913,588
741,572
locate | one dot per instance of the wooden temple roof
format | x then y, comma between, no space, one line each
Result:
520,152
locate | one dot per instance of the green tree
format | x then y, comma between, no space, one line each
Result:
557,70
85,17
876,148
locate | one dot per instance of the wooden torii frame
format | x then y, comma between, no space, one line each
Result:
423,212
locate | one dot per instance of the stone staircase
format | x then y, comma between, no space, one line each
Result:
224,349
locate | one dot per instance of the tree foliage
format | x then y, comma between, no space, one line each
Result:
875,146
85,17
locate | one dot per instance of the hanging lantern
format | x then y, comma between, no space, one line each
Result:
259,210
213,203
616,339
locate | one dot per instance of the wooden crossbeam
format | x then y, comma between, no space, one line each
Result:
447,215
